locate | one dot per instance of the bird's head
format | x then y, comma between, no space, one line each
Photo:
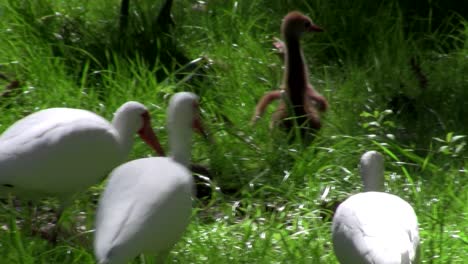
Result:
295,23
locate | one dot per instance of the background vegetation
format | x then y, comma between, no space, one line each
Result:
394,72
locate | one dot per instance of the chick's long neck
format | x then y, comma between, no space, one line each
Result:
295,79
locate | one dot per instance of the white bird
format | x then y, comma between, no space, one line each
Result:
61,151
374,227
146,205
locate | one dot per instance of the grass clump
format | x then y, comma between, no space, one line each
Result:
394,76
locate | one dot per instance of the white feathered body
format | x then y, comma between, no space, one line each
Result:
145,208
375,228
57,151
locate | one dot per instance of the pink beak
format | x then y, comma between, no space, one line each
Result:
149,137
198,127
315,28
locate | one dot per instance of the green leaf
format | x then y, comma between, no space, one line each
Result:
365,114
456,138
444,149
449,137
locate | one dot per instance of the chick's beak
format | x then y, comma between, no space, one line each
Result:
315,28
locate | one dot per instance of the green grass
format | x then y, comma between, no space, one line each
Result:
68,53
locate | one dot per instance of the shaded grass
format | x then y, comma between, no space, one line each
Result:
275,214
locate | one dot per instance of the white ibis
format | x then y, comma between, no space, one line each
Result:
60,151
373,226
147,203
300,104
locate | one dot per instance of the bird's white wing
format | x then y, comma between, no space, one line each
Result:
375,228
42,149
117,207
38,123
134,195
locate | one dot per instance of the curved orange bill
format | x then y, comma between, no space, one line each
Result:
149,137
198,127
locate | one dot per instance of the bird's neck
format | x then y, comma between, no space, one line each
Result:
295,77
125,135
373,181
180,145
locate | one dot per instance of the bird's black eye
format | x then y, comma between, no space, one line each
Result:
307,24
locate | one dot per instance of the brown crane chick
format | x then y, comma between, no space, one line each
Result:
300,104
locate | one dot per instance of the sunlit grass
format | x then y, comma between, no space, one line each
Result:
272,207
